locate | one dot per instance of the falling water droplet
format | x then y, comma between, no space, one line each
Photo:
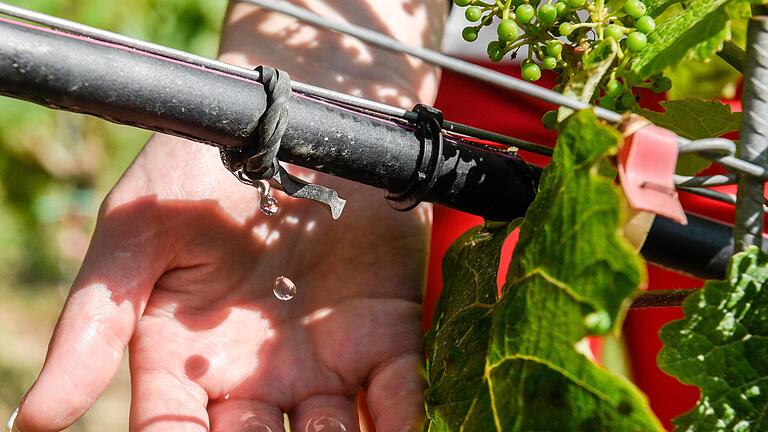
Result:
284,288
269,205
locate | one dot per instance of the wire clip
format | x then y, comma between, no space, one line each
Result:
647,163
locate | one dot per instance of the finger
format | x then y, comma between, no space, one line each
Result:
395,394
238,415
95,325
163,402
327,413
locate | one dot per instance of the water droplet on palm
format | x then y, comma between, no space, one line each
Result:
284,288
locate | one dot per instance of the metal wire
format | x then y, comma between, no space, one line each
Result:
714,195
722,146
706,181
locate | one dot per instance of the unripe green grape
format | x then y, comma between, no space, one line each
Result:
634,8
531,72
628,100
473,14
469,34
645,24
614,88
525,13
636,41
549,120
607,102
507,30
494,51
462,3
547,13
615,32
549,63
575,3
566,28
598,323
562,9
554,48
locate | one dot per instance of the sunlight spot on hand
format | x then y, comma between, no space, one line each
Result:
261,231
272,238
316,315
311,226
98,307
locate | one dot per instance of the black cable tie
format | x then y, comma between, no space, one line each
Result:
429,130
257,159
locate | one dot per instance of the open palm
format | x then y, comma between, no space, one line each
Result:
185,258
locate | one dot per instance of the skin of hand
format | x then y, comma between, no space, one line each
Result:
182,263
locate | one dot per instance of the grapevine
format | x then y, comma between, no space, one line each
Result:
560,34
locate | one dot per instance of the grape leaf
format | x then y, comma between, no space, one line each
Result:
694,119
572,276
458,341
722,347
706,79
697,32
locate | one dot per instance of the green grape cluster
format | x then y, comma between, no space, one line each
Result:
557,39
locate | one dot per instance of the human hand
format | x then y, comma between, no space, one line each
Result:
182,266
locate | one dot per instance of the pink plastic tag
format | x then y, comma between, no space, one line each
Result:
647,162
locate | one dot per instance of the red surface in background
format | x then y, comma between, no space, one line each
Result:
481,105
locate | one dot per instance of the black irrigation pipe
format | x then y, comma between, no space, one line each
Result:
127,86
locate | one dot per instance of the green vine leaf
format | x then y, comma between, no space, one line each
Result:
458,342
694,119
697,32
572,275
722,347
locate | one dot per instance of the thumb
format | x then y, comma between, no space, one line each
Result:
124,260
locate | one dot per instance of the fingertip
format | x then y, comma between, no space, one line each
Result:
396,394
331,413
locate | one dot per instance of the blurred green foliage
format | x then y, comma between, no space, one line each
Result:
55,167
